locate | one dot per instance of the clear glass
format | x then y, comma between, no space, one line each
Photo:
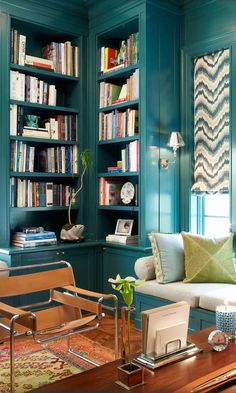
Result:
217,205
216,226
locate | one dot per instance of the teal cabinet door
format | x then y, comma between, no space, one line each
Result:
118,261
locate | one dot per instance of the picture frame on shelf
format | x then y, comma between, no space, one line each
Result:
124,227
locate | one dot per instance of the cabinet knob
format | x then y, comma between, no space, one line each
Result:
60,253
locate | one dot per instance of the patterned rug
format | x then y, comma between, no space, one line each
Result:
38,365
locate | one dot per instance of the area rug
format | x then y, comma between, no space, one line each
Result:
38,365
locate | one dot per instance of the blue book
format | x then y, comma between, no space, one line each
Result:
34,236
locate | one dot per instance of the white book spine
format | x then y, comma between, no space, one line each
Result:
76,60
21,93
63,159
14,85
49,194
22,46
75,159
13,119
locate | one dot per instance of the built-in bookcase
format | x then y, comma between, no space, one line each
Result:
118,127
43,169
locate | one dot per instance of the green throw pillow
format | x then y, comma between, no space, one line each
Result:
208,259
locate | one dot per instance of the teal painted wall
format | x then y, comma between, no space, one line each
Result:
205,26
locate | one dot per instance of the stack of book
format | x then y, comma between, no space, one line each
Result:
26,240
39,62
123,239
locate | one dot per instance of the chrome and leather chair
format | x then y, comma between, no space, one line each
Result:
68,310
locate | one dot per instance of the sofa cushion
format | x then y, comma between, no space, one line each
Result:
215,298
168,255
178,291
208,259
144,268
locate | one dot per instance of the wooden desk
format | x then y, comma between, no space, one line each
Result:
167,379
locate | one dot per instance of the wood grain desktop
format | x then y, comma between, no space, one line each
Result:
167,379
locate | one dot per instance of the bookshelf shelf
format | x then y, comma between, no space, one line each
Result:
125,104
118,174
119,208
41,140
121,73
43,107
40,72
42,175
44,208
119,140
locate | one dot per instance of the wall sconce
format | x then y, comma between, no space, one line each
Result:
175,141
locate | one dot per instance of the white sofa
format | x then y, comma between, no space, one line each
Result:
202,297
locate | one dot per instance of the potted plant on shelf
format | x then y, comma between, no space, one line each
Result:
69,231
130,374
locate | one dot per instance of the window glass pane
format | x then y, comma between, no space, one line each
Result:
215,226
217,205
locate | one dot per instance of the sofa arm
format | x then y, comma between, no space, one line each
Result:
144,268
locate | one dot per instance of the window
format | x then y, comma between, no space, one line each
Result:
213,214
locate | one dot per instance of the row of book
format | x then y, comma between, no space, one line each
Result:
127,54
118,124
18,47
27,193
59,159
65,57
111,93
129,158
123,239
109,191
59,127
61,57
25,240
31,89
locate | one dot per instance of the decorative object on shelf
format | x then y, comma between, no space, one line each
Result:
32,121
72,234
130,375
175,141
121,59
69,231
218,340
226,319
124,227
127,193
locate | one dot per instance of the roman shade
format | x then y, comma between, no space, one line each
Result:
211,122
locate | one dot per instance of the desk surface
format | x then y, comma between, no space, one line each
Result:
167,379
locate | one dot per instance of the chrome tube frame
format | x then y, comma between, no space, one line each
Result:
13,332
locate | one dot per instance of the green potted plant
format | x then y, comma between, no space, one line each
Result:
129,374
70,231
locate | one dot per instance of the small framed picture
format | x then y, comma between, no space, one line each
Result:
124,227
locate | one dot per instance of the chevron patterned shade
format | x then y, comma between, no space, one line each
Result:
211,122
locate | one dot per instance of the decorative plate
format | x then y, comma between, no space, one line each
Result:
127,193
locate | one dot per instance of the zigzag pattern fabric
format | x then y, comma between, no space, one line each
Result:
211,122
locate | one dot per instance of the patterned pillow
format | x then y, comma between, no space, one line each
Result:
208,259
168,255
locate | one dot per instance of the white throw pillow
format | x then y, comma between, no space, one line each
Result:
168,252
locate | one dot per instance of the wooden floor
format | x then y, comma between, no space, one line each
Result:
105,335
